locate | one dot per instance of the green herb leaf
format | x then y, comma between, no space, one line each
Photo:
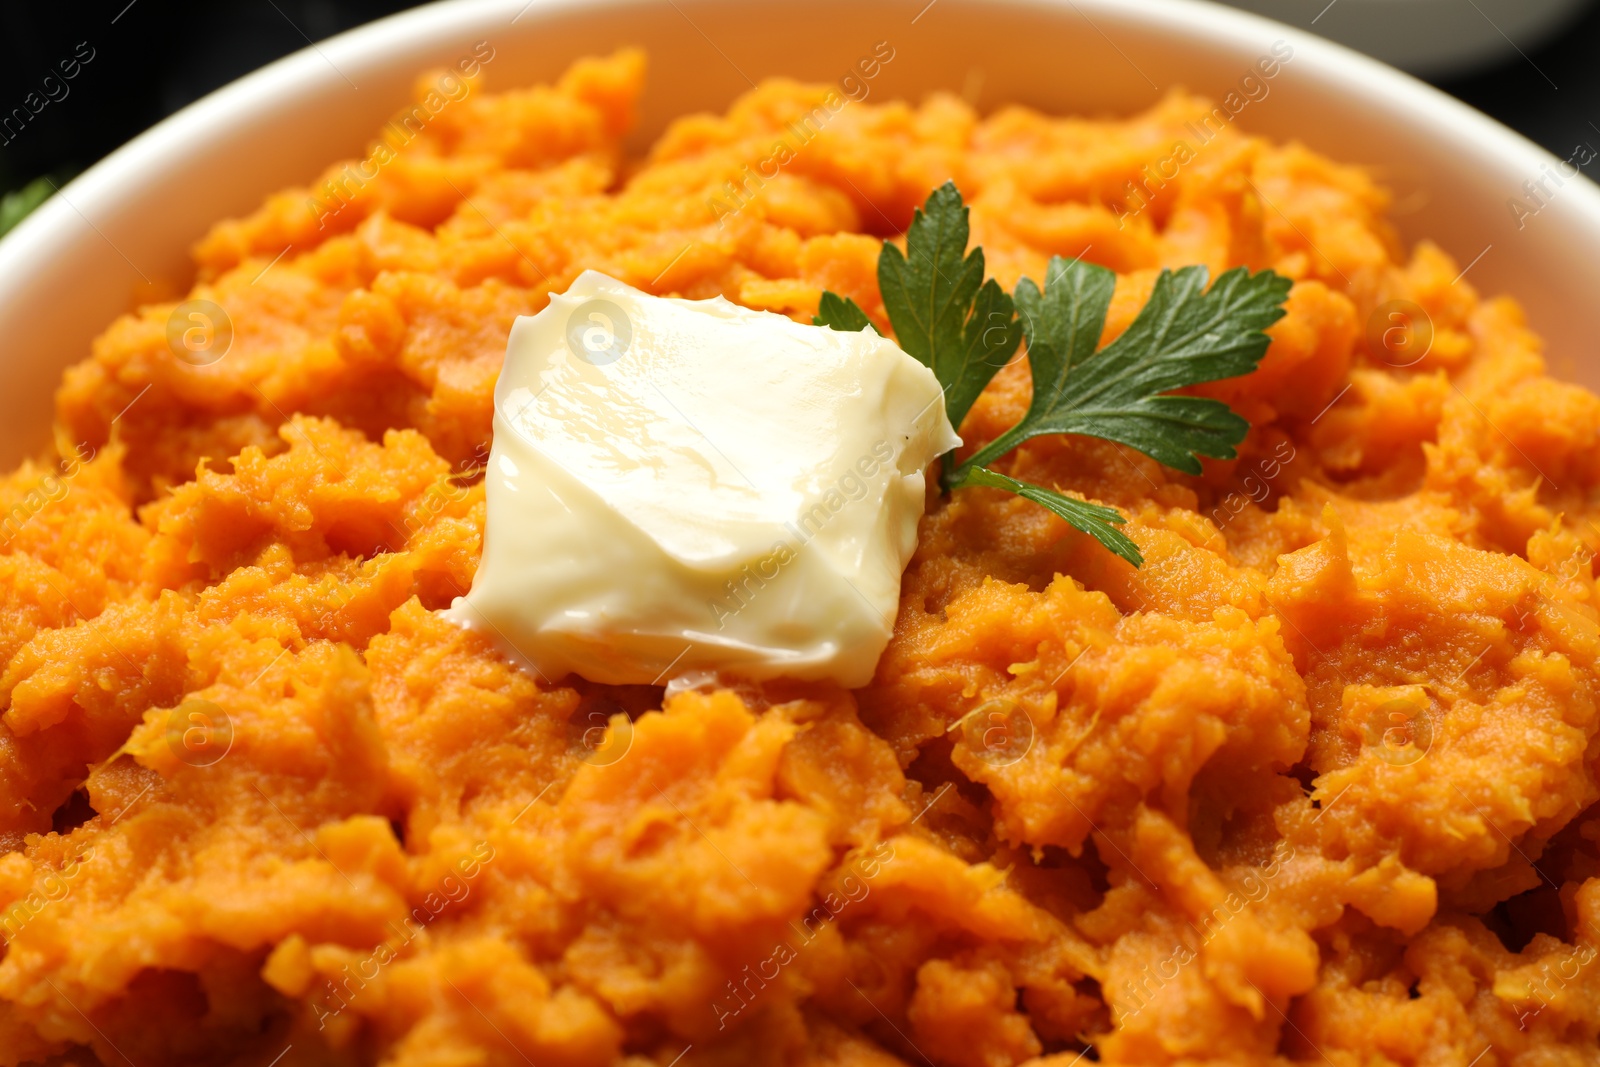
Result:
989,340
965,328
1184,335
842,314
1069,315
16,206
944,314
1096,520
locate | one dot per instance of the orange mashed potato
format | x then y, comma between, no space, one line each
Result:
1317,784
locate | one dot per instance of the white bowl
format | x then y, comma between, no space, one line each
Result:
67,271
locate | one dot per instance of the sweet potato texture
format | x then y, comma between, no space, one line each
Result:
1316,784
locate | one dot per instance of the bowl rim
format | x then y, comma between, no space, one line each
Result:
1373,83
37,254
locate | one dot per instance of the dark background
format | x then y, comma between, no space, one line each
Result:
162,54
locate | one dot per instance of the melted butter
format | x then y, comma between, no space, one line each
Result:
684,486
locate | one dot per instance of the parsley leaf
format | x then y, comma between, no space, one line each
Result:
1097,520
842,314
16,206
1071,320
944,314
1184,335
965,329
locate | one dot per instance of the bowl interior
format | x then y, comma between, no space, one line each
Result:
122,230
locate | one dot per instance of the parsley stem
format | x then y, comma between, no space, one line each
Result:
989,453
961,325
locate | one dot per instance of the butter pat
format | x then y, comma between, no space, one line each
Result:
685,486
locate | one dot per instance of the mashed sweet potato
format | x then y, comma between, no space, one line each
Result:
1316,784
